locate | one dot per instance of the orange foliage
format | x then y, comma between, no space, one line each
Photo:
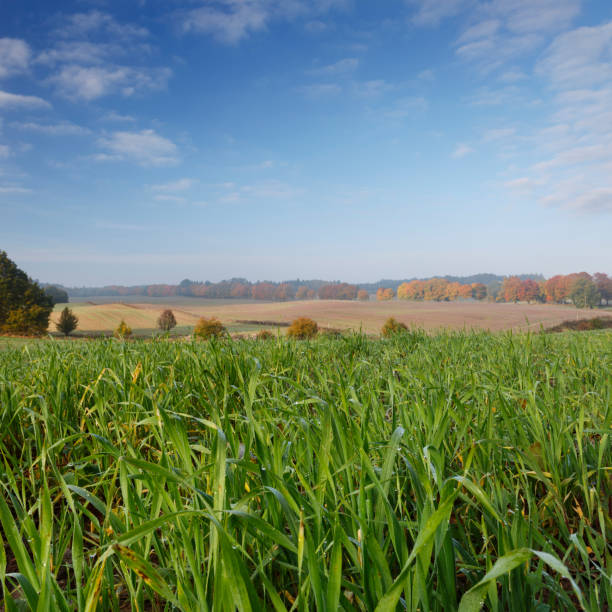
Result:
385,294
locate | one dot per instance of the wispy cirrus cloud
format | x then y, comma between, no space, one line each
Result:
17,101
64,128
146,148
230,21
91,82
14,190
498,31
14,56
95,21
93,55
432,12
320,90
580,58
182,184
341,67
461,151
575,149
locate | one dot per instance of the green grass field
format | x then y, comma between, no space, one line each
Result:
424,472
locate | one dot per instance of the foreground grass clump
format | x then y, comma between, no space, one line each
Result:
418,473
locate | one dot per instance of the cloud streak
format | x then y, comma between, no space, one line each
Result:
146,148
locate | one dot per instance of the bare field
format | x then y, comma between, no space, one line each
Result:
339,314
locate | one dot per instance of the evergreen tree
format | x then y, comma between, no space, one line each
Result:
68,322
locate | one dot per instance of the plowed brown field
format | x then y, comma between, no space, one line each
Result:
369,316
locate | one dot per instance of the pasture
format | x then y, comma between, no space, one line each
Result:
102,315
424,472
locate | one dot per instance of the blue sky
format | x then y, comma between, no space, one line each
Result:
339,139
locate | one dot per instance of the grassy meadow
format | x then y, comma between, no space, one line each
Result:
424,472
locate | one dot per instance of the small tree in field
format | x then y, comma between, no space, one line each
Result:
363,295
67,322
207,328
392,327
166,321
123,330
265,334
303,329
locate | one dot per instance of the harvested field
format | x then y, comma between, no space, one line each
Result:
337,314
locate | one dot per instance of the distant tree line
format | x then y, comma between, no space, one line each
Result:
519,288
582,289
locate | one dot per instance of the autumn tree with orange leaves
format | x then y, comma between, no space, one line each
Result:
385,294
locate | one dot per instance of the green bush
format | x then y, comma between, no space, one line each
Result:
303,328
208,328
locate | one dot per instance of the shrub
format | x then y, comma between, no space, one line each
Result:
166,320
392,327
67,322
123,330
265,334
303,328
363,295
207,328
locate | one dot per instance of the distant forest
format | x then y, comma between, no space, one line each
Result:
580,288
242,288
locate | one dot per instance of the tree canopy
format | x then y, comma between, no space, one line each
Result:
24,307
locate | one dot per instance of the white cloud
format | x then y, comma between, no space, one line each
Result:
593,201
521,184
228,26
78,51
168,198
461,151
145,148
432,12
320,90
523,16
580,58
12,101
574,171
89,83
80,24
371,89
14,56
117,117
342,66
487,96
14,190
502,30
64,128
179,185
426,75
316,26
484,29
498,134
405,108
230,21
